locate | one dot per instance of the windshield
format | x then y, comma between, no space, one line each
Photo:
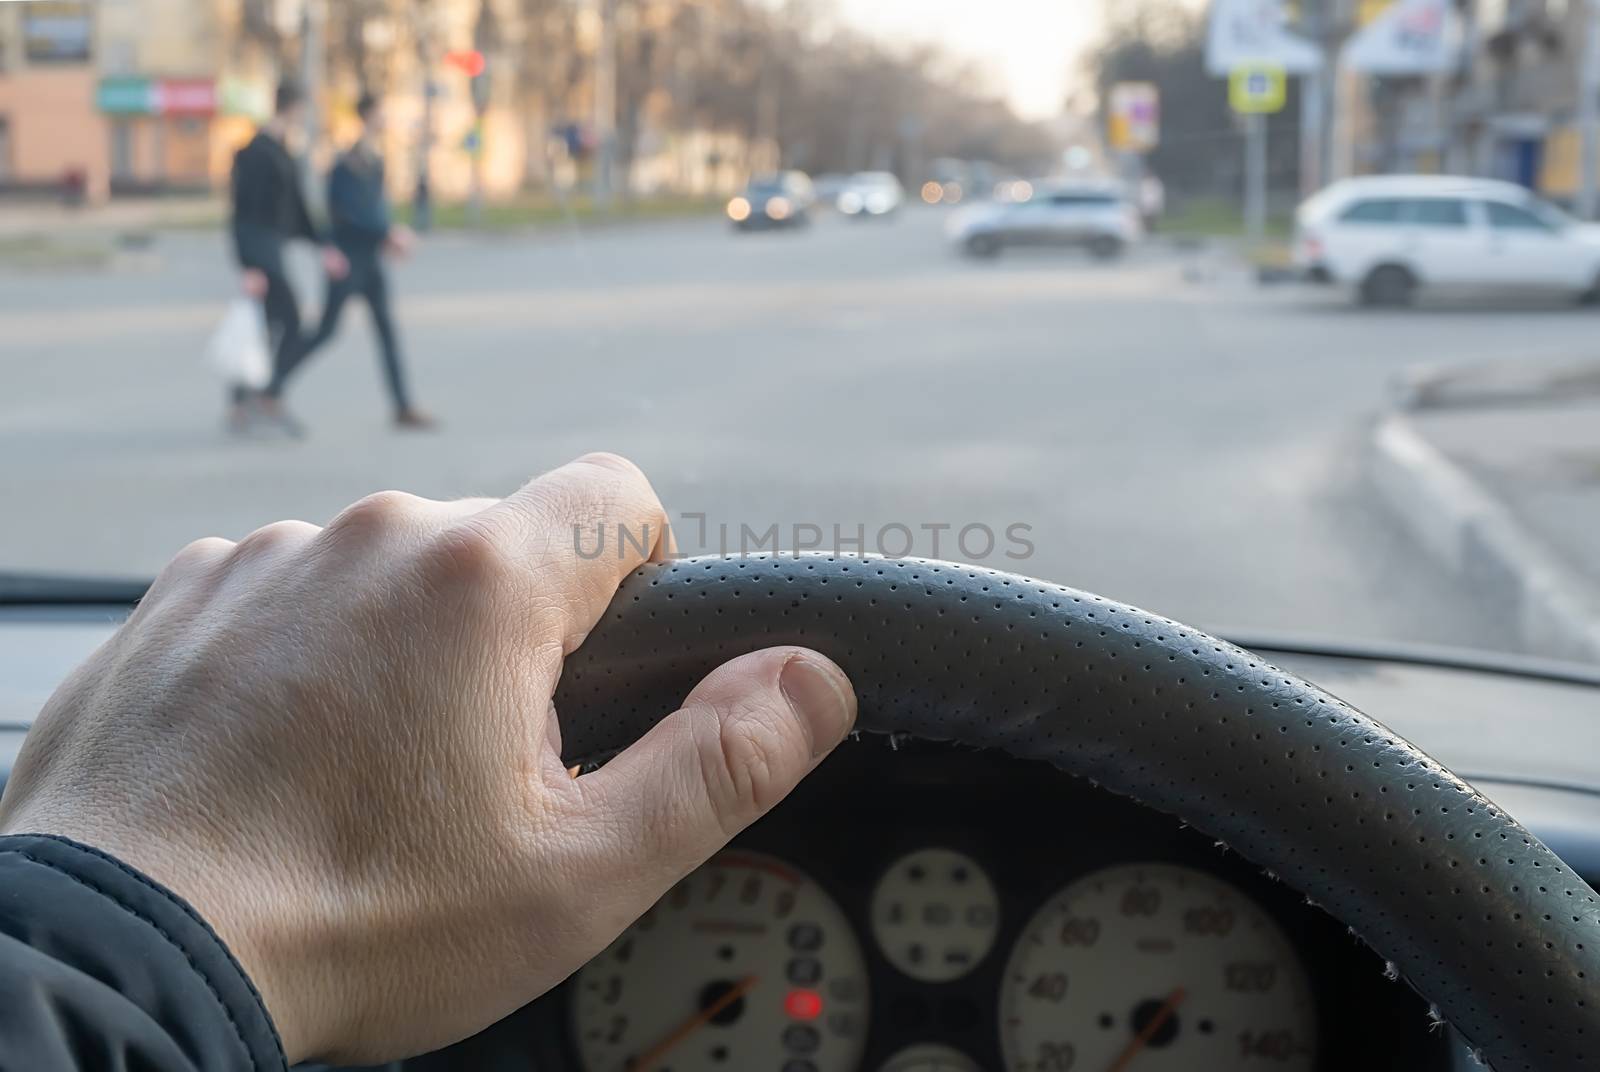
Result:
255,265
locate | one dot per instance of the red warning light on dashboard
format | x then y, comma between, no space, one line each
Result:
803,1004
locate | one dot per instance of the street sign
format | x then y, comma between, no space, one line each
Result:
1257,89
1406,38
1135,117
1254,32
1367,11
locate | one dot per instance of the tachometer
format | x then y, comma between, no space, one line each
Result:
746,963
1155,967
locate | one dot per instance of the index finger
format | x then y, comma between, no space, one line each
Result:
580,530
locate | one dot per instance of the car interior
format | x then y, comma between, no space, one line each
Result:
1360,832
1069,835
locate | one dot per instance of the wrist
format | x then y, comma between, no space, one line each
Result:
151,942
258,930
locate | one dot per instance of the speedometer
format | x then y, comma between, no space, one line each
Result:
1155,967
745,964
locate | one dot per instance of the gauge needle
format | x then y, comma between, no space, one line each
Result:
1142,1039
694,1023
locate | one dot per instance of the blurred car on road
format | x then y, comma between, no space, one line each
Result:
1098,217
1387,238
828,186
870,194
773,201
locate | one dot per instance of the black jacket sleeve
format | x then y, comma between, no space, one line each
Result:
244,189
100,968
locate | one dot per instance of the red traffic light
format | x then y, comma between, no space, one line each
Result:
468,61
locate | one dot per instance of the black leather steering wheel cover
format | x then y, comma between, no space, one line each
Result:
1478,915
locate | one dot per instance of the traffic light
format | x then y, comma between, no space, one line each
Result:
469,61
472,63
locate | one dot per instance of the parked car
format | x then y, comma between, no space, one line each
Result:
1387,238
870,194
1099,218
773,201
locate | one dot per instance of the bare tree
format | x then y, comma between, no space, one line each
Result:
547,68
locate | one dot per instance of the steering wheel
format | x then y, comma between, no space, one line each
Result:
1474,911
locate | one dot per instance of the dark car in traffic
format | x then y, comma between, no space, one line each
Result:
773,201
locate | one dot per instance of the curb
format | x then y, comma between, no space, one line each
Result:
1476,536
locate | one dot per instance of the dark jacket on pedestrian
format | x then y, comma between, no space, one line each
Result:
357,204
269,207
101,968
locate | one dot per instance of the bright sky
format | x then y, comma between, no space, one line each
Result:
1030,48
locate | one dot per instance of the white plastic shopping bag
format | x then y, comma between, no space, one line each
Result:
238,348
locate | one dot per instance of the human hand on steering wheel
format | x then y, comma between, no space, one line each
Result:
341,748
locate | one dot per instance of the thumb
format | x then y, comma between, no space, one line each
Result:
746,735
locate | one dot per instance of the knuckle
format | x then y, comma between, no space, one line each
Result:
616,462
194,568
373,515
199,554
277,536
468,555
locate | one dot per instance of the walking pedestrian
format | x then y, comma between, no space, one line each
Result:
269,210
363,230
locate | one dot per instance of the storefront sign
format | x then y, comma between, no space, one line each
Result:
126,96
235,96
136,95
186,96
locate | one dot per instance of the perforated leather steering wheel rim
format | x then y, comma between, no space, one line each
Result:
1475,912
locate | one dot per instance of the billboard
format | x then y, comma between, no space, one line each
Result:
1135,117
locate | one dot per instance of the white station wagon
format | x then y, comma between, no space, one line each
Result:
1389,237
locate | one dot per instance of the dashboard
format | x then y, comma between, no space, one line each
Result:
915,907
918,907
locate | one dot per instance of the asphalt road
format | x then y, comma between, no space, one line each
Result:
1169,434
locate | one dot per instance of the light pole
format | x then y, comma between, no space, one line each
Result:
311,24
1255,179
605,103
422,199
1588,107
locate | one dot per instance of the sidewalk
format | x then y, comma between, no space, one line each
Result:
49,236
46,234
50,219
1496,471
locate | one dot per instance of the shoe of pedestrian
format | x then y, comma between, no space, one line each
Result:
240,419
271,412
414,420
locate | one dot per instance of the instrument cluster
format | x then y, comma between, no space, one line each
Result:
933,909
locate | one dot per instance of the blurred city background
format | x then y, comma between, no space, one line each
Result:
1264,313
686,98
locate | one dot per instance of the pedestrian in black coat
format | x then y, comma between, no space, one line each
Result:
269,210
